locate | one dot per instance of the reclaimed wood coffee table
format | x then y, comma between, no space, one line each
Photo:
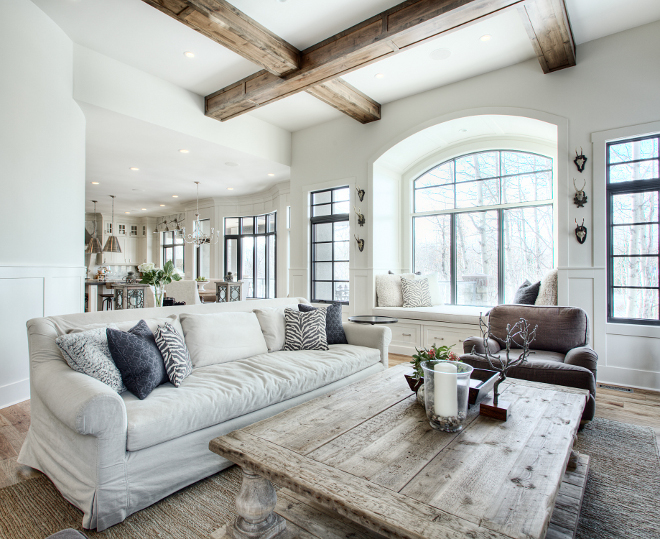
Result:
363,462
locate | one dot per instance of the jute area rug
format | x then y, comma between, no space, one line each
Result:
621,500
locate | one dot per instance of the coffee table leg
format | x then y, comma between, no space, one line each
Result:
254,504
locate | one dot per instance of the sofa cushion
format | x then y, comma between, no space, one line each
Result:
559,328
527,293
138,359
548,289
334,327
273,326
415,292
175,353
305,331
217,393
388,289
88,352
222,337
457,314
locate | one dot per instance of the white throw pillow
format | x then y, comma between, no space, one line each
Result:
273,326
415,292
388,289
222,337
548,290
434,288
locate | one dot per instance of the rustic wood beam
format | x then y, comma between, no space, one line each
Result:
223,23
226,25
549,29
346,98
398,28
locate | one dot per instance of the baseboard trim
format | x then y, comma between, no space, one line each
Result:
14,393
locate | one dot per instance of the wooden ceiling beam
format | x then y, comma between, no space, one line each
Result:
346,98
223,23
226,25
549,29
400,27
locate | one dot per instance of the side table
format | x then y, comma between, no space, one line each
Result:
228,291
368,319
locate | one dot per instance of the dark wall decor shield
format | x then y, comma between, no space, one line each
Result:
580,232
580,160
580,198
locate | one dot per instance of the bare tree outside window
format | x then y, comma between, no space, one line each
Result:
486,218
633,186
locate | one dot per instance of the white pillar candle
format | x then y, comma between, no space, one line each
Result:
445,384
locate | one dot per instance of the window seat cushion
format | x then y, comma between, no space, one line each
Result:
457,314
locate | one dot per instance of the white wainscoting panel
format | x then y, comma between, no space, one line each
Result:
31,292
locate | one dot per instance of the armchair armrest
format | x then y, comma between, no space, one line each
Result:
478,344
82,403
583,356
378,337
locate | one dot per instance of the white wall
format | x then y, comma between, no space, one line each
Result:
42,172
110,84
614,85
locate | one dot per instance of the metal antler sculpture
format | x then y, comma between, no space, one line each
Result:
518,334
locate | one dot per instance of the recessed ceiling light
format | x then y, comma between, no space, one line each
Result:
230,188
144,209
189,54
440,54
95,183
485,37
184,151
162,205
175,196
231,164
134,168
127,212
379,75
271,174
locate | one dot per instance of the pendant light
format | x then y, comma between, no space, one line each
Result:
94,245
112,244
197,237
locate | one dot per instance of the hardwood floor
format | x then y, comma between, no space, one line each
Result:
641,407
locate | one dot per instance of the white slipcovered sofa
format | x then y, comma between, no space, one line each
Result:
112,454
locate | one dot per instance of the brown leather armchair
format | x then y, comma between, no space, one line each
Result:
560,354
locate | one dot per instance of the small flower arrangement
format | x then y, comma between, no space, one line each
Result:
201,279
435,352
158,278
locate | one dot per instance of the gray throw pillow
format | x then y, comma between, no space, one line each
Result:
138,359
87,352
334,327
175,353
527,293
305,331
416,293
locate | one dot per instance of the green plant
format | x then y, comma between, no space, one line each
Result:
201,279
435,352
158,278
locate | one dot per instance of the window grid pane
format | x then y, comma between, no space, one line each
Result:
633,234
482,256
330,235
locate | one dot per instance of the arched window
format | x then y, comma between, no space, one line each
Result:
483,222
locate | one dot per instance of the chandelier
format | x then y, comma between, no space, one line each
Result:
94,245
198,237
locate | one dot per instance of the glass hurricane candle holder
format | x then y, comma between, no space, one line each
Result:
446,392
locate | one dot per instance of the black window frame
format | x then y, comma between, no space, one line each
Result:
621,188
332,218
165,245
239,250
499,208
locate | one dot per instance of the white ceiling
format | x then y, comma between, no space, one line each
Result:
415,148
133,32
115,143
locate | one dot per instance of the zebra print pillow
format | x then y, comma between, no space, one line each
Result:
305,331
416,293
175,353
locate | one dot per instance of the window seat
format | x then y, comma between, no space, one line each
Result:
451,314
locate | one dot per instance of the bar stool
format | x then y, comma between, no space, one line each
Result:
106,300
